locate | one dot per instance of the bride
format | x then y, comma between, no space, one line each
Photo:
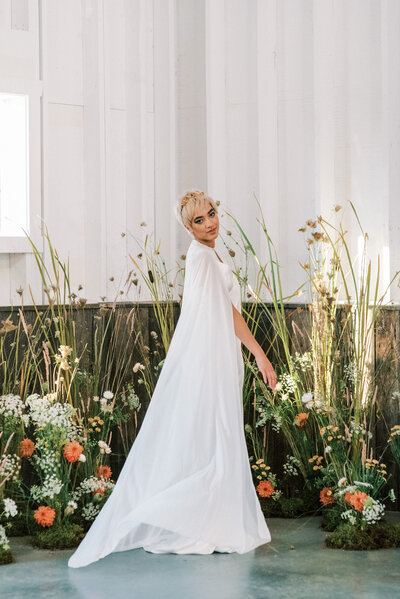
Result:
186,485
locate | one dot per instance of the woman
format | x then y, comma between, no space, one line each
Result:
186,485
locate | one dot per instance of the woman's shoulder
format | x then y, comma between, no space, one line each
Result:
199,253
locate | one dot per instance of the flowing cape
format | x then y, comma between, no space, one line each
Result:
186,485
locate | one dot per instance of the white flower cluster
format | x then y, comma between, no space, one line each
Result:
352,372
349,516
287,382
10,508
276,495
290,466
11,406
44,458
105,407
373,510
358,429
343,491
4,545
138,366
49,489
392,495
90,511
10,467
302,362
104,448
71,507
132,400
276,423
92,484
44,412
310,402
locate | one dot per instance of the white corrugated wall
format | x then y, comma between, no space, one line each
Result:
297,101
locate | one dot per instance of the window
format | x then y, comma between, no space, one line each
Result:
20,165
14,165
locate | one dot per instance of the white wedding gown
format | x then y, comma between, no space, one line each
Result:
186,485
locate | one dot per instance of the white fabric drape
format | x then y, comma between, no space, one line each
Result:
186,485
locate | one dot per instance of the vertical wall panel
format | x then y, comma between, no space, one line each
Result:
297,102
296,133
191,143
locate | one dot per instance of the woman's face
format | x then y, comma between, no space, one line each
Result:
205,225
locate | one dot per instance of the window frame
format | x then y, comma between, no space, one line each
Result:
34,91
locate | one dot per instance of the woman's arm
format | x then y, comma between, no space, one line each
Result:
243,332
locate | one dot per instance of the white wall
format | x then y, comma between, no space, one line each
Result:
297,101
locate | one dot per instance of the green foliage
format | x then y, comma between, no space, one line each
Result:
331,518
382,535
59,536
284,507
5,556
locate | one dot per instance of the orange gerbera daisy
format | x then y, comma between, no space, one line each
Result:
72,451
356,499
26,448
301,418
104,472
45,515
326,496
265,488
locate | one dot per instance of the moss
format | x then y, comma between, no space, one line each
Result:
5,556
331,519
59,536
382,535
285,507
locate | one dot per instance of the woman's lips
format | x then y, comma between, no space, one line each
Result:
213,230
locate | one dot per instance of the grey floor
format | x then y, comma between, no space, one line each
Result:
295,564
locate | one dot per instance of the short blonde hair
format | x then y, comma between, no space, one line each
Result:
190,202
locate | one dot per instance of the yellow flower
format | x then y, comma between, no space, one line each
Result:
330,438
267,467
101,421
98,429
259,461
259,476
255,467
315,467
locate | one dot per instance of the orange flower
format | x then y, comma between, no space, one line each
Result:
356,499
301,418
26,448
265,488
100,491
326,496
72,451
45,515
104,472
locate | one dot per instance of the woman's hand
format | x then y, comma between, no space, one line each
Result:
266,369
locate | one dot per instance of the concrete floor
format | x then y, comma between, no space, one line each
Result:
296,564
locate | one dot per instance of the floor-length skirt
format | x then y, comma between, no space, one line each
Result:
186,485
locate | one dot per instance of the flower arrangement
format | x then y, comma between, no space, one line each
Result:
325,399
